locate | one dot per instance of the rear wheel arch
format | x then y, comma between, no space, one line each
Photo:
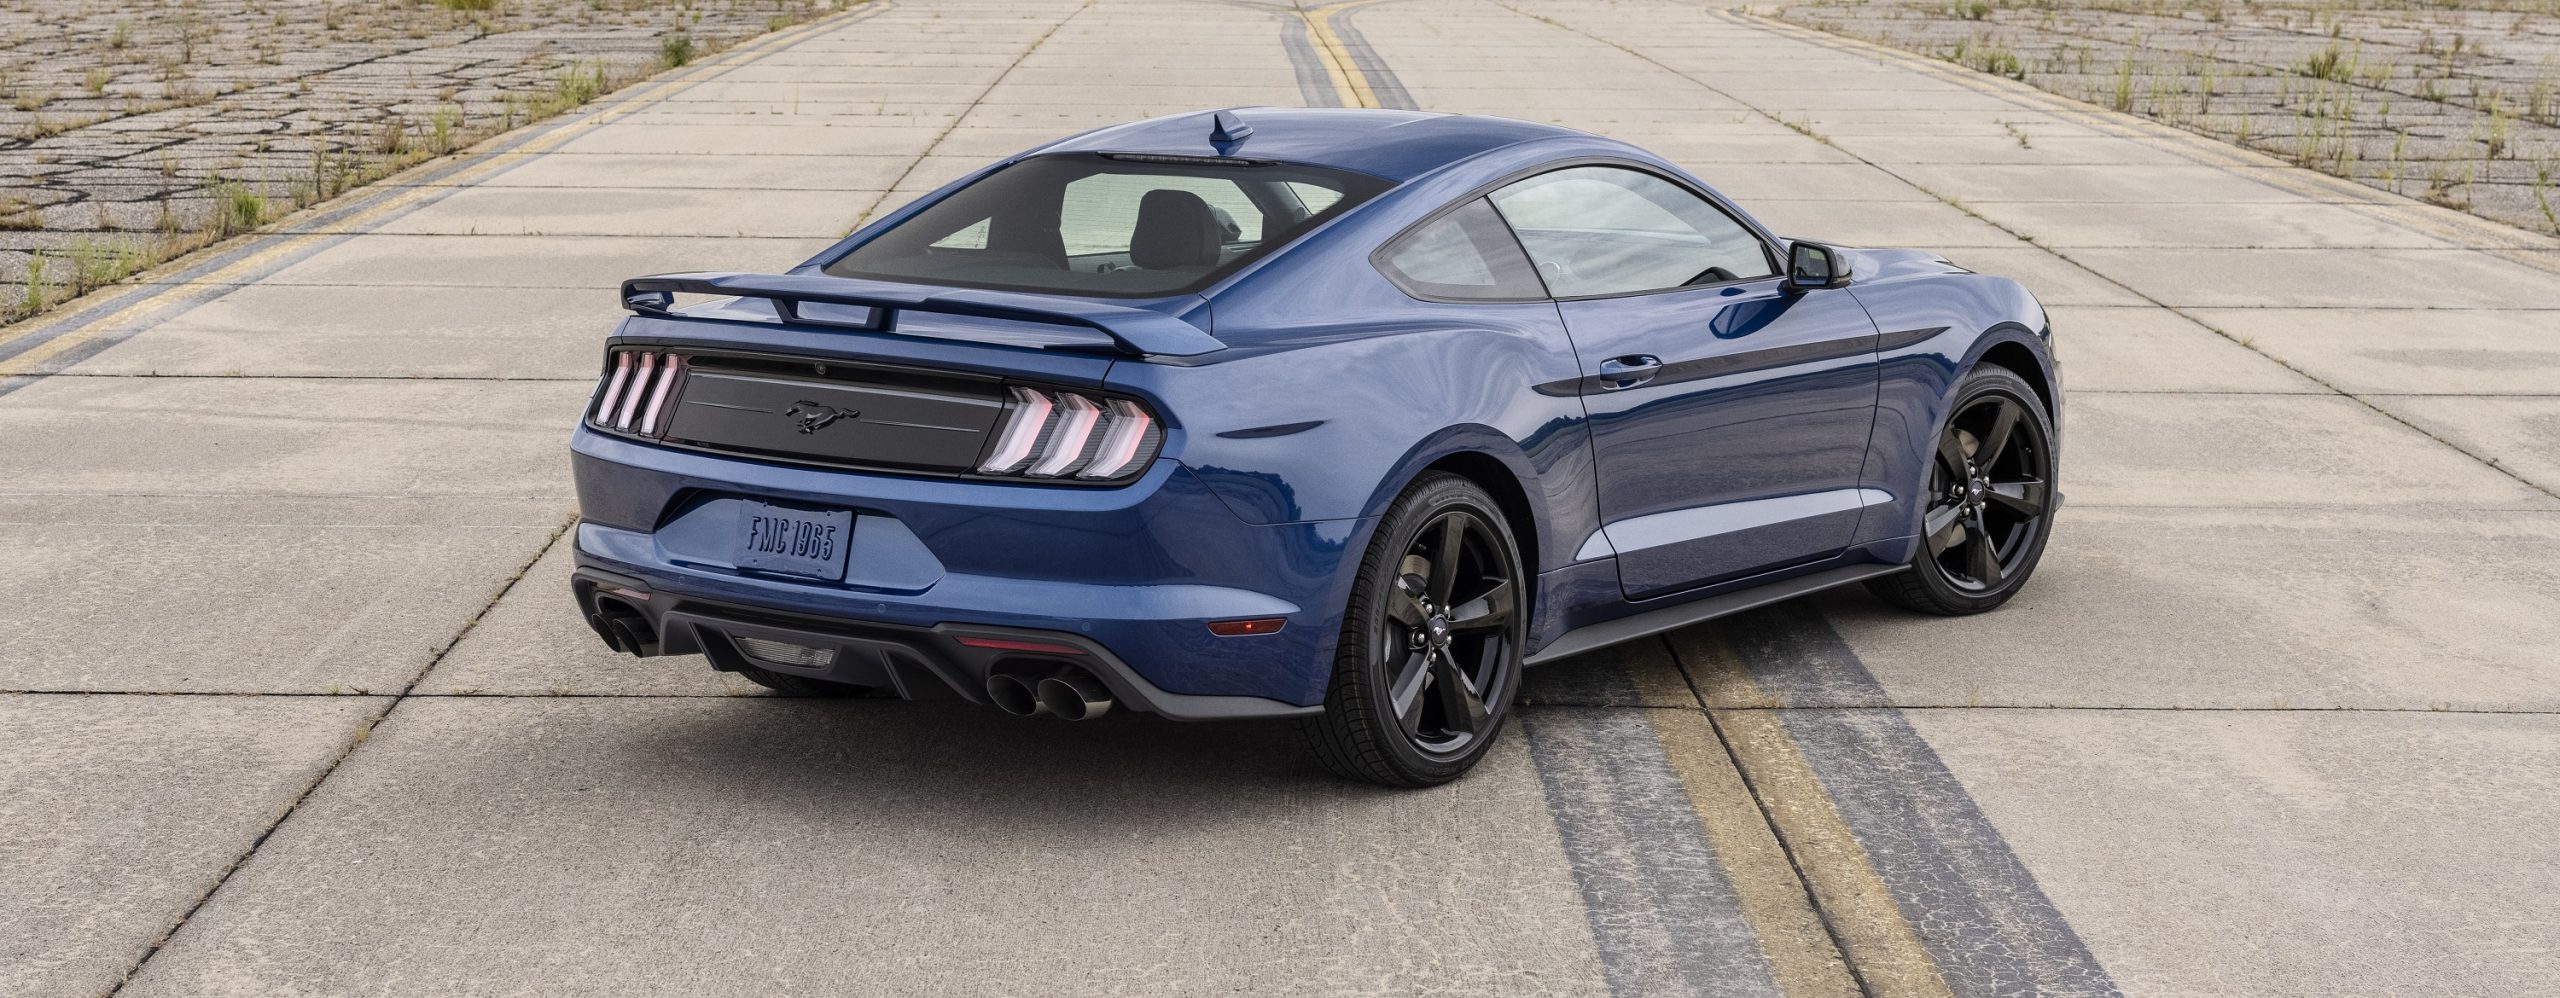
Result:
1497,480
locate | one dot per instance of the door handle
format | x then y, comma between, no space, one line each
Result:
1620,373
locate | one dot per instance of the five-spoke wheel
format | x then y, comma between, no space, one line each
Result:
1431,643
1989,500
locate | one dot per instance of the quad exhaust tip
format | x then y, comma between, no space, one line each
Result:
1070,694
1013,695
623,628
1075,696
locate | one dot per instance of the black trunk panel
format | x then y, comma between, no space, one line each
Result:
835,415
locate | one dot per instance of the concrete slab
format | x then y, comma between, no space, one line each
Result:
2281,226
532,643
459,850
278,330
2060,150
1994,128
308,437
1854,182
2304,278
2281,854
766,172
1928,225
2206,610
2520,433
493,261
611,211
2149,349
2268,451
886,138
2080,184
249,595
2407,351
2053,280
121,811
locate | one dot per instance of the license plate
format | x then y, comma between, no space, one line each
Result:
793,541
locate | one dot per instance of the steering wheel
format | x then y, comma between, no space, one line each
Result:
1711,274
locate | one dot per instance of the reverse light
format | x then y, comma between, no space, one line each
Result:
1064,434
786,653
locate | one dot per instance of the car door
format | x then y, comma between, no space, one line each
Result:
1729,414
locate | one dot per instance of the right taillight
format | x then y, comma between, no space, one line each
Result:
1048,434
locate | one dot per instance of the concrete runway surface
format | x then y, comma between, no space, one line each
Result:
296,703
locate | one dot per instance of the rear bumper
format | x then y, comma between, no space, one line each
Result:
945,661
1131,576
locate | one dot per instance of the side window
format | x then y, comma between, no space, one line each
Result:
1606,230
1465,254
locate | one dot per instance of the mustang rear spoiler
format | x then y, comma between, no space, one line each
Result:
1132,330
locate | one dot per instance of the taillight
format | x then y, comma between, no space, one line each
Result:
639,392
1062,434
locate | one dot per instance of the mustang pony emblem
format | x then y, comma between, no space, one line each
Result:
813,417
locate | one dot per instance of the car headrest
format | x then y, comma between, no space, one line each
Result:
1175,229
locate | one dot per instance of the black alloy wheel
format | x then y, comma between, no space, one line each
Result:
1431,648
1989,501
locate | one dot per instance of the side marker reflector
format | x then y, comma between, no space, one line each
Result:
1241,628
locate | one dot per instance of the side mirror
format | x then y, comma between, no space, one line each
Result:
1813,265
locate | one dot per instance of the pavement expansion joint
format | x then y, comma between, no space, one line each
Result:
365,730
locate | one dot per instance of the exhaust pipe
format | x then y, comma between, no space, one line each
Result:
1075,696
624,629
1013,695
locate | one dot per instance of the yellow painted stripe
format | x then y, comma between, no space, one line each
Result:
115,313
1869,926
1773,901
1348,81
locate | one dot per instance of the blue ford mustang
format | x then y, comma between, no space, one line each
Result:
1339,415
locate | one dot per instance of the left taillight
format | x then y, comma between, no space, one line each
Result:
639,392
1064,435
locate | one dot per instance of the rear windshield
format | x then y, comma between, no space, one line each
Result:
1099,224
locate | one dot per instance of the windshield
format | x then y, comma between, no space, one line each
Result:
1117,225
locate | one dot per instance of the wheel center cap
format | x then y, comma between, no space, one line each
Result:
1438,628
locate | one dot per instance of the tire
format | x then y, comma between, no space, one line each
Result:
799,686
1984,523
1444,632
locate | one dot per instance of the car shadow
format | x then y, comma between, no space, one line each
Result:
967,767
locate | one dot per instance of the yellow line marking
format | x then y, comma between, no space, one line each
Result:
2462,228
1348,82
1773,901
116,312
1869,926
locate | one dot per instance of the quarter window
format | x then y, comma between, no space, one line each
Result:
1466,254
1606,230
